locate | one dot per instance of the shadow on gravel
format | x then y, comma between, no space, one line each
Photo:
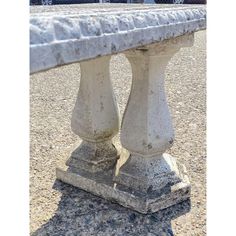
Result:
80,213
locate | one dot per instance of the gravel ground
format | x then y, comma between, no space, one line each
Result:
60,209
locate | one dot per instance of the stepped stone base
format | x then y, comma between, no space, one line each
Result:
101,184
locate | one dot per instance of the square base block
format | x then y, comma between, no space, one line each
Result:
101,184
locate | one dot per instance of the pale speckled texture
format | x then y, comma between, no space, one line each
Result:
64,34
60,209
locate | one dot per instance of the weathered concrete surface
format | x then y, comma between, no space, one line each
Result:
68,33
150,180
60,209
146,130
95,118
101,184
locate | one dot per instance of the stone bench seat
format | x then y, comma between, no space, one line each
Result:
64,34
149,36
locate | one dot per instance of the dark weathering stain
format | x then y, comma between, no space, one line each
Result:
171,141
59,58
101,106
113,47
149,190
77,51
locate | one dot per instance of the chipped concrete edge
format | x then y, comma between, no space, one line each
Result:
58,40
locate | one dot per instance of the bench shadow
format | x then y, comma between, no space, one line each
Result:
81,213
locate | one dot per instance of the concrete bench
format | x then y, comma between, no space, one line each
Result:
149,35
